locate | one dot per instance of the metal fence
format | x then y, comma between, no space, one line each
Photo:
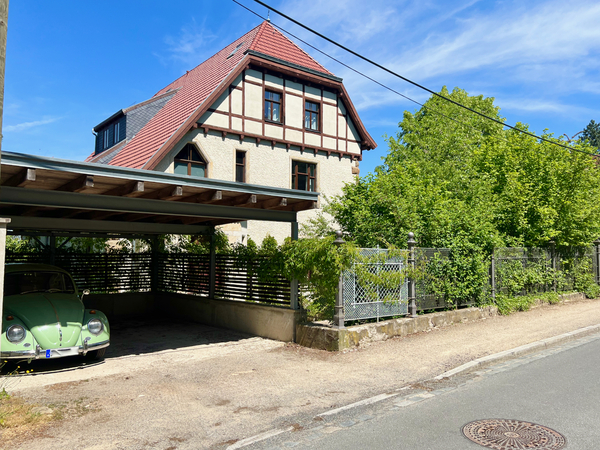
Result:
364,299
523,271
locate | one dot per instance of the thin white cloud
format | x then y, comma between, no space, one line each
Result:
190,45
27,125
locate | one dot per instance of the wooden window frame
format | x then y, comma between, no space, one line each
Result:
242,165
106,138
190,161
116,129
318,113
296,173
280,103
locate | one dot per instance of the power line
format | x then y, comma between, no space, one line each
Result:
358,55
357,71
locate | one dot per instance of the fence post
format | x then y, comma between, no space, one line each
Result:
154,265
212,266
597,260
493,274
338,316
553,256
294,302
412,291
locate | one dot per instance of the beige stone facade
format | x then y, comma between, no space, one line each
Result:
235,122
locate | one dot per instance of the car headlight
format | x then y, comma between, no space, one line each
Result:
95,327
15,334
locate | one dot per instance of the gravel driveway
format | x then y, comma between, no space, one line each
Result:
219,387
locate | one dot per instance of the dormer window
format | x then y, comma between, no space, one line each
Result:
190,162
105,139
116,132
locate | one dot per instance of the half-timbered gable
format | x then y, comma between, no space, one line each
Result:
261,111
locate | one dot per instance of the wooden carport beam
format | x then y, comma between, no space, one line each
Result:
133,189
79,184
240,200
272,203
166,193
21,178
208,197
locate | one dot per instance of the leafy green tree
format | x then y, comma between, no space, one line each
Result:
459,180
591,133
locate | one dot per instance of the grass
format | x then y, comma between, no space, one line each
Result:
19,418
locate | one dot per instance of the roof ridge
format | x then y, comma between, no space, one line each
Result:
266,24
258,35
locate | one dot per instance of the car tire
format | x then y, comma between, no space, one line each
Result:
96,354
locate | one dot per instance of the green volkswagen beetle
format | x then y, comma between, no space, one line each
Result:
44,316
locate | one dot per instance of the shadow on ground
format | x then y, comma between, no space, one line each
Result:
137,337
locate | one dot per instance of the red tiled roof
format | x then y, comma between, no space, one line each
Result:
197,85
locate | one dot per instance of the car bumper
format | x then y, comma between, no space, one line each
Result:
40,353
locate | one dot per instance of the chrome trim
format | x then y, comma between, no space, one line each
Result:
91,347
28,354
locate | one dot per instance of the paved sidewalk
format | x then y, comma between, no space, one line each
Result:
179,400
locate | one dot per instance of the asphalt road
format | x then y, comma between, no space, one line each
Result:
558,388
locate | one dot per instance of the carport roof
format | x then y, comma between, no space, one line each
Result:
48,194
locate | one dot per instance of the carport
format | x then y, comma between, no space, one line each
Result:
51,197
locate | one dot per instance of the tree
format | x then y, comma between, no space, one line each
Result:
591,133
459,180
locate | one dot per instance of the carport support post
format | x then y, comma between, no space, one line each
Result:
294,303
52,245
3,224
212,274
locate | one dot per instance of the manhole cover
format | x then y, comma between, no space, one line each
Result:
502,434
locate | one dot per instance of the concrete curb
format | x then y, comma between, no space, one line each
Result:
522,350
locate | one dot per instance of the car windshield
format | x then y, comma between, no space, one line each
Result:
26,282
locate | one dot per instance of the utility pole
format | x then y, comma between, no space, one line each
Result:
3,222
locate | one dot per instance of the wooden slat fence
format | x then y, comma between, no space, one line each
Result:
251,280
101,273
236,278
183,273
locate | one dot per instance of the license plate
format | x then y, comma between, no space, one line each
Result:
61,352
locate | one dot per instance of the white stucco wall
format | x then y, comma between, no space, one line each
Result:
239,111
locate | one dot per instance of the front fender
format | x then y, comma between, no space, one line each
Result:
93,339
24,349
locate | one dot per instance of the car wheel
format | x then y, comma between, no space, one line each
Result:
96,354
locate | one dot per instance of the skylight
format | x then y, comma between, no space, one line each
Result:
235,50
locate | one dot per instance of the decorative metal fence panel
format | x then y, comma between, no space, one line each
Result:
364,300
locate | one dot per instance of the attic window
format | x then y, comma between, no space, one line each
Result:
189,162
235,50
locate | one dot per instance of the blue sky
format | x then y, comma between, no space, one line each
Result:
71,64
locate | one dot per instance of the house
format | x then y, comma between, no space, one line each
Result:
261,111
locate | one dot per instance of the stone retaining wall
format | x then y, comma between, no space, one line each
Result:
333,339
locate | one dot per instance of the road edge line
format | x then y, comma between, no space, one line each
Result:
367,401
522,350
258,438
